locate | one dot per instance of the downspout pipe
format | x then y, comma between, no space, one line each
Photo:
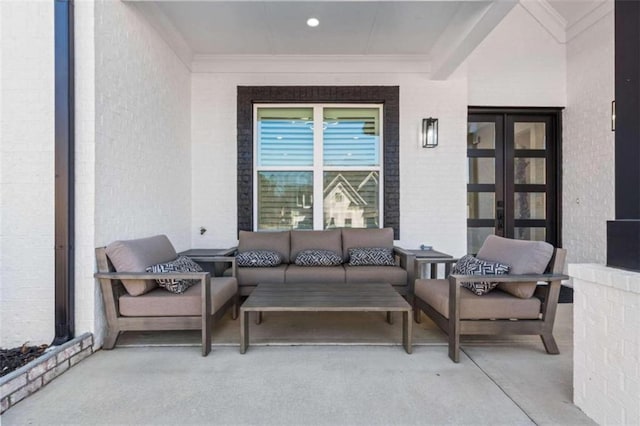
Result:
64,172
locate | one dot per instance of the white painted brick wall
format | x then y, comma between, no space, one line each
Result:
588,146
433,181
518,64
26,173
606,371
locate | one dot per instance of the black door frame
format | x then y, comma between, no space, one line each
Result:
554,129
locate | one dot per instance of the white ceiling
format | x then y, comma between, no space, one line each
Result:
346,27
440,34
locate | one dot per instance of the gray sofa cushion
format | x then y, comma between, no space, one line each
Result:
161,303
524,257
353,237
136,256
495,305
323,240
252,276
278,241
314,274
393,275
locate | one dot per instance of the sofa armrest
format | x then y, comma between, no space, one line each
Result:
150,276
506,278
407,261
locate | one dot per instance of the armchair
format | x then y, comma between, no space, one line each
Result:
520,304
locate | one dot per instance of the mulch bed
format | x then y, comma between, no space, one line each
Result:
12,359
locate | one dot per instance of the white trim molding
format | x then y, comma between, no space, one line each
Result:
593,16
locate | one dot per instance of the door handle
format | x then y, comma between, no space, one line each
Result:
499,219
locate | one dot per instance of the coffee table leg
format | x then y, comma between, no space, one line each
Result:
244,330
406,331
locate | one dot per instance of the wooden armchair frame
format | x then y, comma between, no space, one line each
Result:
454,327
112,288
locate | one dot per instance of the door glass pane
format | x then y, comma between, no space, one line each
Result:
475,238
285,200
530,205
481,135
482,170
481,205
285,137
351,137
351,199
530,136
533,234
529,170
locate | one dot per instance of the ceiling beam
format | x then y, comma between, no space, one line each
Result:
548,17
464,33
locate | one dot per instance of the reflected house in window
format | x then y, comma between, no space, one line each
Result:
351,202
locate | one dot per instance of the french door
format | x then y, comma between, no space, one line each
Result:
513,177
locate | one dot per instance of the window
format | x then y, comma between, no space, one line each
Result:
317,166
387,96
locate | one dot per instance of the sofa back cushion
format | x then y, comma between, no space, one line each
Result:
524,257
360,237
276,241
320,240
136,256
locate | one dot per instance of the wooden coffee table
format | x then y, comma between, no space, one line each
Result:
376,297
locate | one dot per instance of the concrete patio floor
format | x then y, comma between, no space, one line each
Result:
498,381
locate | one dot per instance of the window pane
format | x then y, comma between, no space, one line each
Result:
481,135
529,205
529,170
530,136
351,137
351,199
481,205
482,170
475,238
285,137
533,234
285,200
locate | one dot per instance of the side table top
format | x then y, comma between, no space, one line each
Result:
427,254
209,252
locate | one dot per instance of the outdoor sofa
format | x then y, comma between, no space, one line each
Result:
134,301
289,245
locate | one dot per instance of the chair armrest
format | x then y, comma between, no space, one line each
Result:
506,278
407,263
150,275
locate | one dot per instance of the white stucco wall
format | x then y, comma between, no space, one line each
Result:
26,173
518,64
432,181
588,145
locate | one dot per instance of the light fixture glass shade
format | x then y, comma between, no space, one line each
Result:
429,132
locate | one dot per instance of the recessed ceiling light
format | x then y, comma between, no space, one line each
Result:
313,22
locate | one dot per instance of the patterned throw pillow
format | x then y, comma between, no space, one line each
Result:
469,265
318,258
258,258
371,256
181,264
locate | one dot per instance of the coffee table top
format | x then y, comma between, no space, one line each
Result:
325,297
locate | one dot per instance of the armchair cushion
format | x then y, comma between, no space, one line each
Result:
136,256
469,265
258,258
524,257
181,264
495,305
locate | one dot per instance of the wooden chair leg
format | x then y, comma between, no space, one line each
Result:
110,339
550,344
206,336
454,340
416,312
236,307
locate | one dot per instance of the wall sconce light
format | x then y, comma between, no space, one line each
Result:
429,134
